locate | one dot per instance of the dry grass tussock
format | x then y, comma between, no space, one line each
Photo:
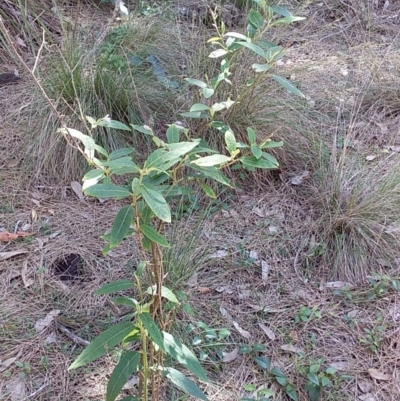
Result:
328,246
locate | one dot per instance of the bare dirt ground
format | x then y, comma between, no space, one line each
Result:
251,252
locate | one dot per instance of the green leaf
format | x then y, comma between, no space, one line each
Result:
101,150
230,141
156,202
268,144
161,159
256,19
237,36
291,392
120,153
209,161
102,344
181,148
257,152
165,293
252,136
313,378
92,121
196,82
115,286
154,236
282,11
199,107
274,53
262,362
128,363
143,129
107,191
252,161
207,92
96,174
183,355
207,190
131,302
173,134
256,49
194,114
218,53
287,20
87,141
184,383
212,172
121,225
135,186
153,330
288,85
261,67
123,165
113,124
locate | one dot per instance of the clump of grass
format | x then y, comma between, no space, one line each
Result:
356,209
135,78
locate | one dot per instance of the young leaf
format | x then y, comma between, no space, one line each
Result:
165,293
115,286
121,225
256,19
207,190
256,49
183,355
257,152
87,141
184,383
128,363
152,328
207,92
154,236
120,153
173,134
230,141
252,136
196,82
96,174
209,161
156,202
268,143
102,344
288,85
261,67
144,130
287,20
237,36
113,124
218,53
274,53
107,191
199,107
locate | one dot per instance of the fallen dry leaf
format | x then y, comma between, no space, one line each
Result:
298,179
338,284
364,386
291,348
77,188
218,254
5,236
225,314
264,270
369,158
41,324
204,290
51,338
8,255
294,336
27,282
243,333
16,389
7,363
192,282
366,397
269,333
230,356
377,374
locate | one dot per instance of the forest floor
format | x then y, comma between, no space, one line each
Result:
250,266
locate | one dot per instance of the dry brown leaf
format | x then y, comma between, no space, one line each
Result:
369,158
298,179
364,386
225,314
77,188
41,324
51,338
264,270
27,281
5,236
20,42
294,336
7,363
192,282
204,290
378,375
218,254
8,255
338,284
243,333
16,389
269,333
230,356
291,348
366,397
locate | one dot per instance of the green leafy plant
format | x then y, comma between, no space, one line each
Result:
260,394
307,314
149,190
282,379
227,93
374,336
